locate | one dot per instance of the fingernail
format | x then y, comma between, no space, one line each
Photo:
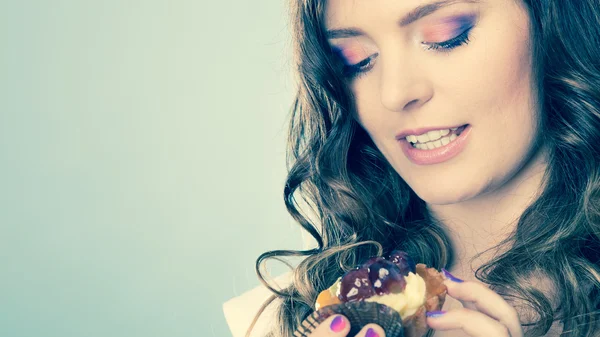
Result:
450,276
434,314
338,324
371,333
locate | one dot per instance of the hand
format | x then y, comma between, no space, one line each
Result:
484,312
339,326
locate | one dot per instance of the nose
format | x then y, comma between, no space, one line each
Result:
404,87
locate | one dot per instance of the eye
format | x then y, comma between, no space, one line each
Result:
446,46
356,70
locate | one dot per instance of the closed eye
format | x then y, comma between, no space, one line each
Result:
351,71
461,39
354,71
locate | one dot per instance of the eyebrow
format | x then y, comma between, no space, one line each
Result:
409,18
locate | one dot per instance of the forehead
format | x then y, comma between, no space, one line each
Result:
345,13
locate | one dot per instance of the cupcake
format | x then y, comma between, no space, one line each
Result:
394,293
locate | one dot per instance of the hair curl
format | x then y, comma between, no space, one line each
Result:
335,167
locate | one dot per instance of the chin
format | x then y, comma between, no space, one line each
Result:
439,196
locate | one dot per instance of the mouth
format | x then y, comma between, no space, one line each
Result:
424,151
435,139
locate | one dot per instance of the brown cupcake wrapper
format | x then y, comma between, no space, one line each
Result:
359,314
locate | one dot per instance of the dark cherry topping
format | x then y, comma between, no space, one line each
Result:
386,278
404,262
356,286
377,276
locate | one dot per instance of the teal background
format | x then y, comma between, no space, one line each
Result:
142,162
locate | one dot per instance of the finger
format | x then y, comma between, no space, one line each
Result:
487,301
464,304
473,323
371,330
334,326
452,302
448,276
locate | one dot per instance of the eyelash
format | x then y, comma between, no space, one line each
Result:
361,68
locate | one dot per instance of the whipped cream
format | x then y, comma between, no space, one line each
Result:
408,301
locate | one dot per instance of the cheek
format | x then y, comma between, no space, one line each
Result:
496,71
494,90
377,124
370,114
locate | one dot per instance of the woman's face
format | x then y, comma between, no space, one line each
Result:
410,73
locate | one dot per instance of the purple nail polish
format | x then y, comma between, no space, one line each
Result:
338,324
434,314
450,276
371,333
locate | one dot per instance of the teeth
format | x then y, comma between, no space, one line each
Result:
424,138
435,144
433,139
428,136
434,135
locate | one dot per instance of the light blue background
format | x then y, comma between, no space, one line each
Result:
142,162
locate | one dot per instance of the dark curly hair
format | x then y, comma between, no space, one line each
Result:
335,167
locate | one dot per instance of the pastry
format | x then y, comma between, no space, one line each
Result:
394,293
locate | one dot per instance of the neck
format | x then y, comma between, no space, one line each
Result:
480,223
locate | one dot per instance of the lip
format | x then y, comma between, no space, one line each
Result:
439,155
420,131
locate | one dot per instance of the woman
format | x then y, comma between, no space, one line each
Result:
463,132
